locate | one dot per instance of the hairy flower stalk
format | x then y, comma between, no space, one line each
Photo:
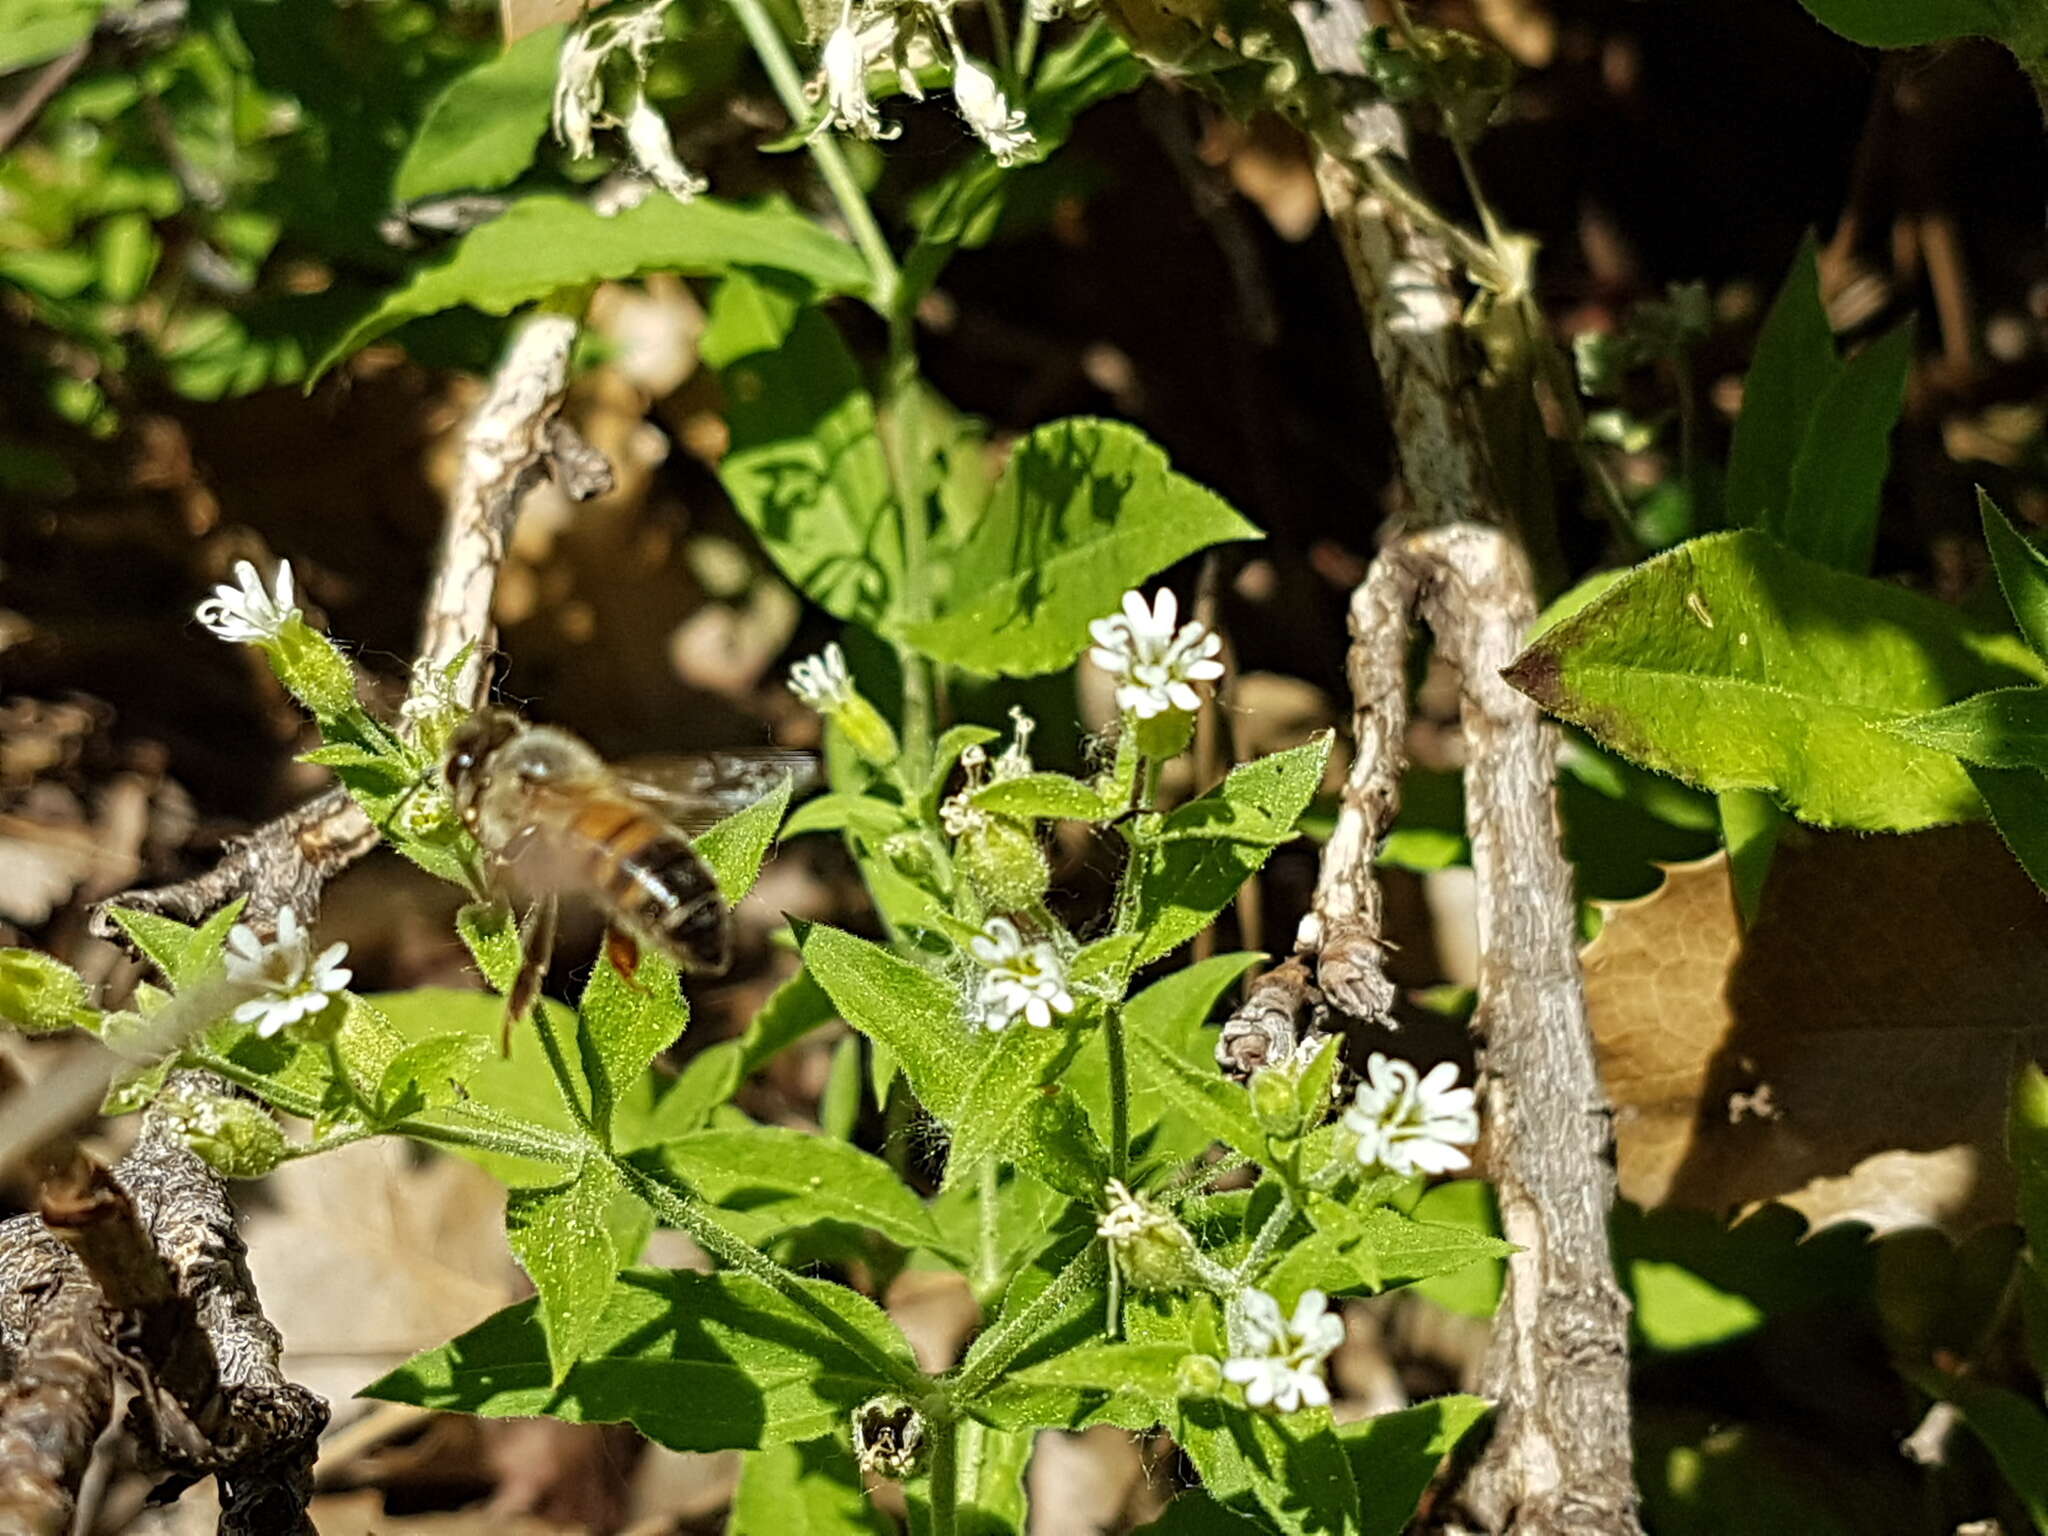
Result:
1409,1124
1019,980
1278,1360
291,983
248,612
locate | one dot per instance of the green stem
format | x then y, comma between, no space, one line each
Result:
565,1080
773,51
945,1477
1267,1240
905,457
528,1141
689,1214
1027,44
272,1092
1119,1095
999,39
989,1260
994,1350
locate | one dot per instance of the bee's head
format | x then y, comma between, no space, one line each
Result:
469,754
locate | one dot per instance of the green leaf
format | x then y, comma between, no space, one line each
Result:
1004,1072
34,30
751,312
736,846
561,1238
792,1011
1733,663
1795,363
2001,728
865,815
1058,1145
1194,1513
480,132
1751,823
1053,796
1286,1471
182,954
1084,511
803,1490
696,1362
2013,1429
2026,1143
1145,1370
40,994
2018,802
992,1503
544,243
806,470
429,1074
2022,572
492,938
1213,844
1838,478
796,1179
624,1024
1221,1108
911,1011
1374,1250
1395,1455
1910,23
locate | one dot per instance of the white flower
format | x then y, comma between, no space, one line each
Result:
291,982
1129,1216
1155,665
1408,1124
988,113
1018,981
843,79
959,815
1279,1360
822,681
1015,761
654,152
248,612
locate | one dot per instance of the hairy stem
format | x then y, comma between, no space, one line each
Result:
994,1350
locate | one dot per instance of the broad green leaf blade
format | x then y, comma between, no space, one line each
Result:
545,243
1004,1074
798,1179
2017,799
993,1503
911,1011
1838,478
560,1237
1058,1145
429,1074
750,312
40,994
1750,826
806,470
1146,1370
1395,1455
1910,23
481,131
1734,663
803,1490
1194,1513
736,846
1085,510
2022,573
181,953
2001,728
623,1025
1221,1108
1213,844
1048,795
491,936
1287,1471
1794,364
1374,1250
695,1362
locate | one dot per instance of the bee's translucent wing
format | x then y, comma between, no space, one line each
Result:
700,791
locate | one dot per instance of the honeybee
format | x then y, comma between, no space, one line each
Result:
555,819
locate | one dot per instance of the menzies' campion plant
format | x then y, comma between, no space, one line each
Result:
1064,1077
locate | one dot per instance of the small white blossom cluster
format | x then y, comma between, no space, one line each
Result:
1409,1124
1279,1359
1130,1216
875,34
630,32
822,682
958,813
1155,659
291,982
248,612
1018,980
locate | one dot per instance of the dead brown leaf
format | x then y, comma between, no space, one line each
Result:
1850,1056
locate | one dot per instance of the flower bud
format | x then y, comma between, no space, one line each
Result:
1200,1376
1275,1103
1152,1249
236,1136
1002,858
308,664
889,1437
872,736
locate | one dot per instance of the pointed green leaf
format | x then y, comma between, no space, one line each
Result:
803,1490
1146,1370
696,1362
1838,478
913,1012
2001,728
480,132
182,954
1085,510
797,1179
2017,799
736,846
1733,663
623,1025
544,243
993,1503
2022,573
1287,1471
1394,1456
1794,364
1911,23
492,938
429,1074
1221,1108
806,470
560,1237
1004,1072
1052,796
751,312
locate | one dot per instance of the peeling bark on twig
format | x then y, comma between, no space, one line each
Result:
59,1392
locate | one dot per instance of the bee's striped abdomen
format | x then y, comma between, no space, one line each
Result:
655,883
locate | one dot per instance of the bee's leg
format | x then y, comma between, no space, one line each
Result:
536,948
623,950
